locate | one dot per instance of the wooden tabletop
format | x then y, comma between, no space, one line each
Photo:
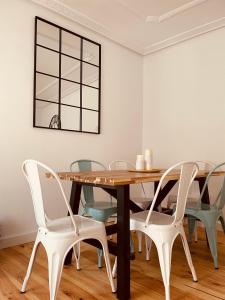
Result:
122,177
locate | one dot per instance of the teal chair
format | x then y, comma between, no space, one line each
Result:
209,214
98,210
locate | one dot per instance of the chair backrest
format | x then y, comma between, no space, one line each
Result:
86,165
220,200
205,165
188,171
124,165
120,165
31,171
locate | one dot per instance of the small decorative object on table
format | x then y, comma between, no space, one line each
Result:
148,159
140,163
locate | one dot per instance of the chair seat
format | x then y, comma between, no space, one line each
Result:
172,199
156,218
198,206
142,202
99,205
64,225
101,211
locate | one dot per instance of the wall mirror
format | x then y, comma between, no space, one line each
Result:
67,80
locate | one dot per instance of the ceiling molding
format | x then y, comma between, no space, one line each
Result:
76,16
186,35
91,24
73,15
174,12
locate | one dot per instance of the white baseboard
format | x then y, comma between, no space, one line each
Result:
10,241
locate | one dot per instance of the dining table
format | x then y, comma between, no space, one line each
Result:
117,184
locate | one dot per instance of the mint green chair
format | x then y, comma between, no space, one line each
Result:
209,214
98,210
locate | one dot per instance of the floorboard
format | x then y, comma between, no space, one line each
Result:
91,283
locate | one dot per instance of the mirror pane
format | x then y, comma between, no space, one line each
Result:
91,52
90,97
71,44
70,118
70,68
47,61
90,75
47,87
47,114
47,35
70,93
89,120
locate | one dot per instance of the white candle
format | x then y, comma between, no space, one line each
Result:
148,159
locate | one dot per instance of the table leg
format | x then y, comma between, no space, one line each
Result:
123,243
156,183
205,196
74,203
163,193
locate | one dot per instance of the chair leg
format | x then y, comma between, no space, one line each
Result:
76,251
100,255
30,265
164,252
107,263
188,254
196,231
212,239
148,244
131,245
222,222
191,227
55,266
114,270
139,236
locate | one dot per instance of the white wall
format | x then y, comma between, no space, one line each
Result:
184,101
121,115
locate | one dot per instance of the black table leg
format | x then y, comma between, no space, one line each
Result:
205,196
74,203
163,193
123,243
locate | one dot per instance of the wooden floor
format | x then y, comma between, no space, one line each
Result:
92,284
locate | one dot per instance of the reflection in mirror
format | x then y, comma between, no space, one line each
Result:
70,118
90,75
44,113
47,61
89,120
71,44
47,35
70,93
70,68
90,97
47,88
91,52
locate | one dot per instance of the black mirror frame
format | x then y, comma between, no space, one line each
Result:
82,38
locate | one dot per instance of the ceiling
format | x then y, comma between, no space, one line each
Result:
144,26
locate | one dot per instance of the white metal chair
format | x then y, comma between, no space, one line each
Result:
172,199
163,229
142,202
60,235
